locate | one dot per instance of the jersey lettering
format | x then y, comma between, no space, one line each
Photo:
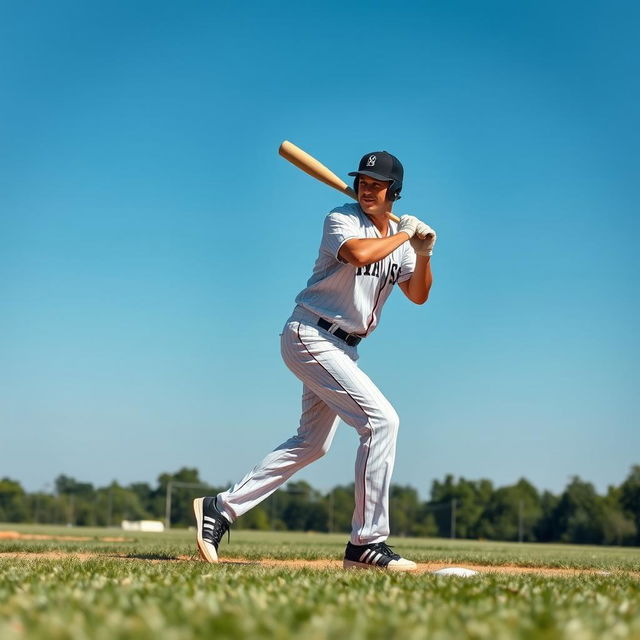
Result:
357,294
374,270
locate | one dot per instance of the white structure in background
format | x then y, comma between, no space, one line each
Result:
143,525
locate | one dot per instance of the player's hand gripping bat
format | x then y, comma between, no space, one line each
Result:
317,170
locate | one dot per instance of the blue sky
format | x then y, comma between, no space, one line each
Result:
152,241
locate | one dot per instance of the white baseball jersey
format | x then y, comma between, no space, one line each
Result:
334,387
350,296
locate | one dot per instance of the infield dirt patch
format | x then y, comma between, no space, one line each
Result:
429,567
16,535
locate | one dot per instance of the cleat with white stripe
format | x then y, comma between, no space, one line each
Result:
375,556
211,525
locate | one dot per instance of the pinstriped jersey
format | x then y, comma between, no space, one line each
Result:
353,297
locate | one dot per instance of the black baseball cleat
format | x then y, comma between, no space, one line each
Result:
211,525
375,556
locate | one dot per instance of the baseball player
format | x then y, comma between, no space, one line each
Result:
362,256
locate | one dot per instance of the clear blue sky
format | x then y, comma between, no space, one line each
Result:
152,241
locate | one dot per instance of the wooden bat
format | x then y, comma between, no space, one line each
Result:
317,170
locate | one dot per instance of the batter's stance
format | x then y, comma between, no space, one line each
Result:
362,256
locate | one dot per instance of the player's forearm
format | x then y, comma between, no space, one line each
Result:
360,252
419,285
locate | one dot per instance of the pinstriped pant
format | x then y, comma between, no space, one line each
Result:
334,388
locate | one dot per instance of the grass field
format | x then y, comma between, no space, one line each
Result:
110,584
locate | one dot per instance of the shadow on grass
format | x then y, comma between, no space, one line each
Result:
166,557
155,556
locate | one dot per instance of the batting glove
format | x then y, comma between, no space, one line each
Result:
424,246
408,224
423,230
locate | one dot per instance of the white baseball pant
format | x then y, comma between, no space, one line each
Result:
334,388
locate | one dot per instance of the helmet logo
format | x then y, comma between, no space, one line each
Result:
371,162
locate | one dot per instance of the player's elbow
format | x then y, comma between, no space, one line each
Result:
359,261
419,297
355,257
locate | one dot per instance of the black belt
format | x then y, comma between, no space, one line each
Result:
351,339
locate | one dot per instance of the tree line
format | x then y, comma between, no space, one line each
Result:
457,508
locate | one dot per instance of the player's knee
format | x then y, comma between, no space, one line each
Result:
392,419
316,452
386,418
311,450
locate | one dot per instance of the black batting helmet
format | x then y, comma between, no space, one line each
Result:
381,165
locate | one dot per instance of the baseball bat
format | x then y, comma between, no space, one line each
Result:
302,160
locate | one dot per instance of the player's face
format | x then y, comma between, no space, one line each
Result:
372,195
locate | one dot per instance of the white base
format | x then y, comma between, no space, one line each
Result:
455,571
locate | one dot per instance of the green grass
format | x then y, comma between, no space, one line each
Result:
254,545
146,595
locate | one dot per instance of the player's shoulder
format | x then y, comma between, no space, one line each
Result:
347,210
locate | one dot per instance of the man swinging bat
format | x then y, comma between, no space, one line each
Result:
363,255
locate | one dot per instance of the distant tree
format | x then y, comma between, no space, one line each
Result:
442,495
273,506
39,506
579,516
76,501
302,508
340,505
545,529
618,526
13,503
425,525
148,498
114,504
84,512
630,498
506,507
470,497
404,510
185,474
257,518
66,485
181,497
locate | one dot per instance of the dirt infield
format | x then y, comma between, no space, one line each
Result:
305,564
429,567
15,535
